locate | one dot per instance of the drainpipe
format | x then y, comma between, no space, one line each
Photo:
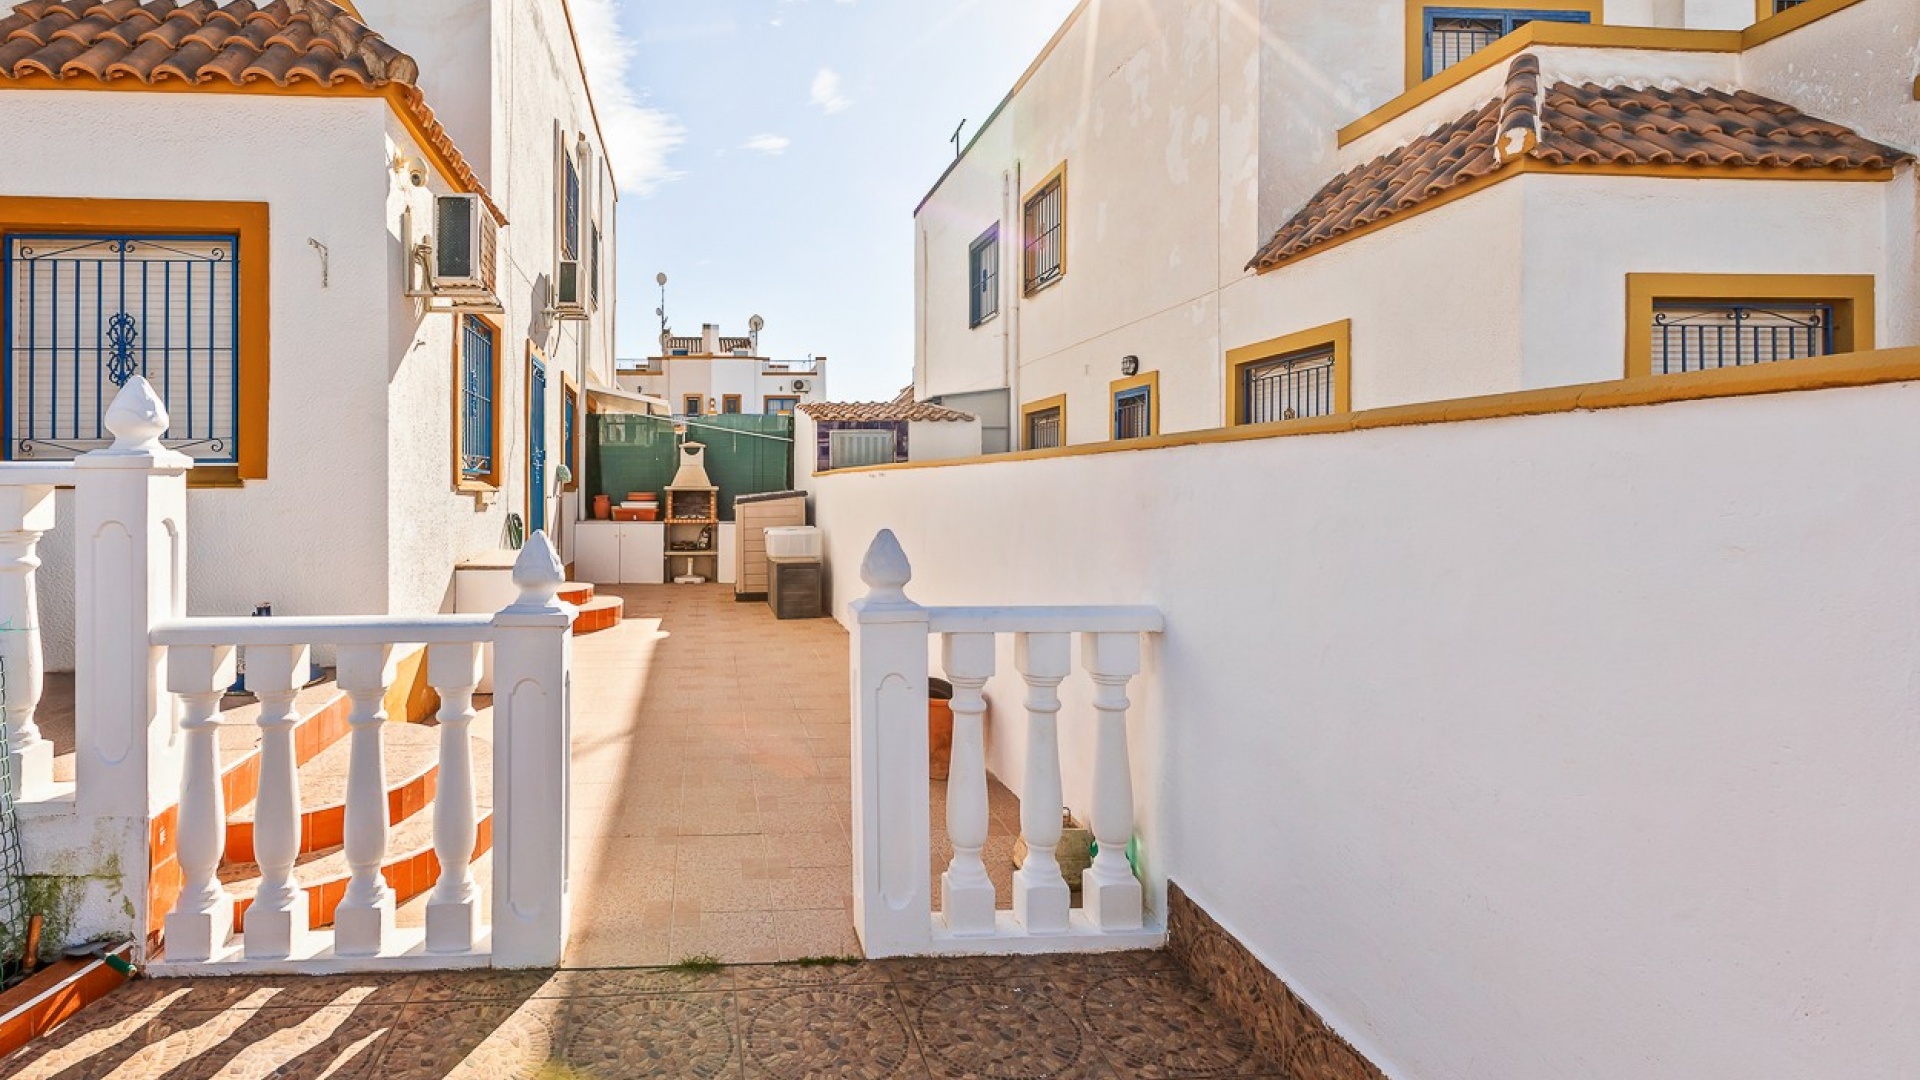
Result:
1010,331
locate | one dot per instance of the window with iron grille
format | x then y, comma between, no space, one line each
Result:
593,266
730,404
1701,336
1288,387
1133,413
1453,34
479,381
570,220
86,313
856,449
1782,5
1046,233
690,404
1045,428
983,272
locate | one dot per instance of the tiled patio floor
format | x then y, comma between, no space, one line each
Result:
1121,1015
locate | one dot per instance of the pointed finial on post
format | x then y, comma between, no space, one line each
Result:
538,573
137,418
886,569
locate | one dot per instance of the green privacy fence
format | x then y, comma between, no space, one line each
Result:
746,455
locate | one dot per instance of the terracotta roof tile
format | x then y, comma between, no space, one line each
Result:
857,412
283,43
1569,125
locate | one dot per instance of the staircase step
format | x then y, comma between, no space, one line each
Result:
323,721
577,593
600,613
410,866
413,758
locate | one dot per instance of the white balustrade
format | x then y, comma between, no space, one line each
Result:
202,919
893,910
26,514
277,921
363,923
453,911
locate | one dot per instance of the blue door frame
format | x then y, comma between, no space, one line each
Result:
536,445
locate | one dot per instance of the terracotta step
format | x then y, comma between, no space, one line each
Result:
413,758
600,613
577,593
410,866
323,722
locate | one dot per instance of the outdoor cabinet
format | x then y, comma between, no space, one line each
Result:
753,515
620,552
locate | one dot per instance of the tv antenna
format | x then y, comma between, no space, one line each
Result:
661,280
955,138
755,325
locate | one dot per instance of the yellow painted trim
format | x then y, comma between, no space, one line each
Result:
1148,379
1417,26
251,222
409,699
1529,36
725,400
699,404
1536,167
1026,226
1772,26
1851,295
1339,335
1020,84
1057,401
462,482
1823,373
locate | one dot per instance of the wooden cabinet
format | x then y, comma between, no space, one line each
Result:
752,516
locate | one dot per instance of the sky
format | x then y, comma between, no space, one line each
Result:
770,154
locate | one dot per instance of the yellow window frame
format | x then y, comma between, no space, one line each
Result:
1852,297
1416,47
1336,335
1034,408
1028,205
1148,379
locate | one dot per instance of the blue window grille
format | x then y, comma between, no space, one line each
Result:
537,447
1133,413
570,238
1291,387
1453,34
477,362
1698,336
85,313
983,271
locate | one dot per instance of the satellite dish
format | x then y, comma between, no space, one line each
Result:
756,324
660,279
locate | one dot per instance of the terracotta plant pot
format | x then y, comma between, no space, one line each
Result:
602,506
939,728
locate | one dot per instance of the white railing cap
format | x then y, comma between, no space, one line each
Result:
1046,620
326,630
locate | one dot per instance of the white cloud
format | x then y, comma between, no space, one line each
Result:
826,91
639,139
771,145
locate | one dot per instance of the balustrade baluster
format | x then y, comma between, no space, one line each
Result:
26,513
277,920
202,919
363,923
1109,893
1041,899
453,911
966,892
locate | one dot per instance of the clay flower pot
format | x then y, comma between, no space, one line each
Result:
602,506
939,728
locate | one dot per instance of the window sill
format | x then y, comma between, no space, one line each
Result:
1035,290
216,476
476,487
985,321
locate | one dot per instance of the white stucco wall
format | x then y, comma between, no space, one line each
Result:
943,440
1597,763
310,538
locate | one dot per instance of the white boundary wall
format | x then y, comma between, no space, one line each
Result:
1572,746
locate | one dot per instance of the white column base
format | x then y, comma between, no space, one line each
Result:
1041,906
198,936
967,909
1112,905
363,931
277,935
32,771
453,927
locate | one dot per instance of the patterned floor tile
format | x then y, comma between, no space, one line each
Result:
1003,1029
1159,1026
847,1032
679,1037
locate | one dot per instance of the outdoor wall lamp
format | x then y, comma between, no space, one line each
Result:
1129,366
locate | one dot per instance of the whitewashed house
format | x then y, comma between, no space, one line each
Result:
1191,214
717,375
363,250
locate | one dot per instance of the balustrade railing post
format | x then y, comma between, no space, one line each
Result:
202,919
26,513
1042,901
453,910
278,919
966,892
892,845
532,718
1109,893
363,923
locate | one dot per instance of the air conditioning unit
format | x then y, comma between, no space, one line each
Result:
569,292
466,242
799,386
